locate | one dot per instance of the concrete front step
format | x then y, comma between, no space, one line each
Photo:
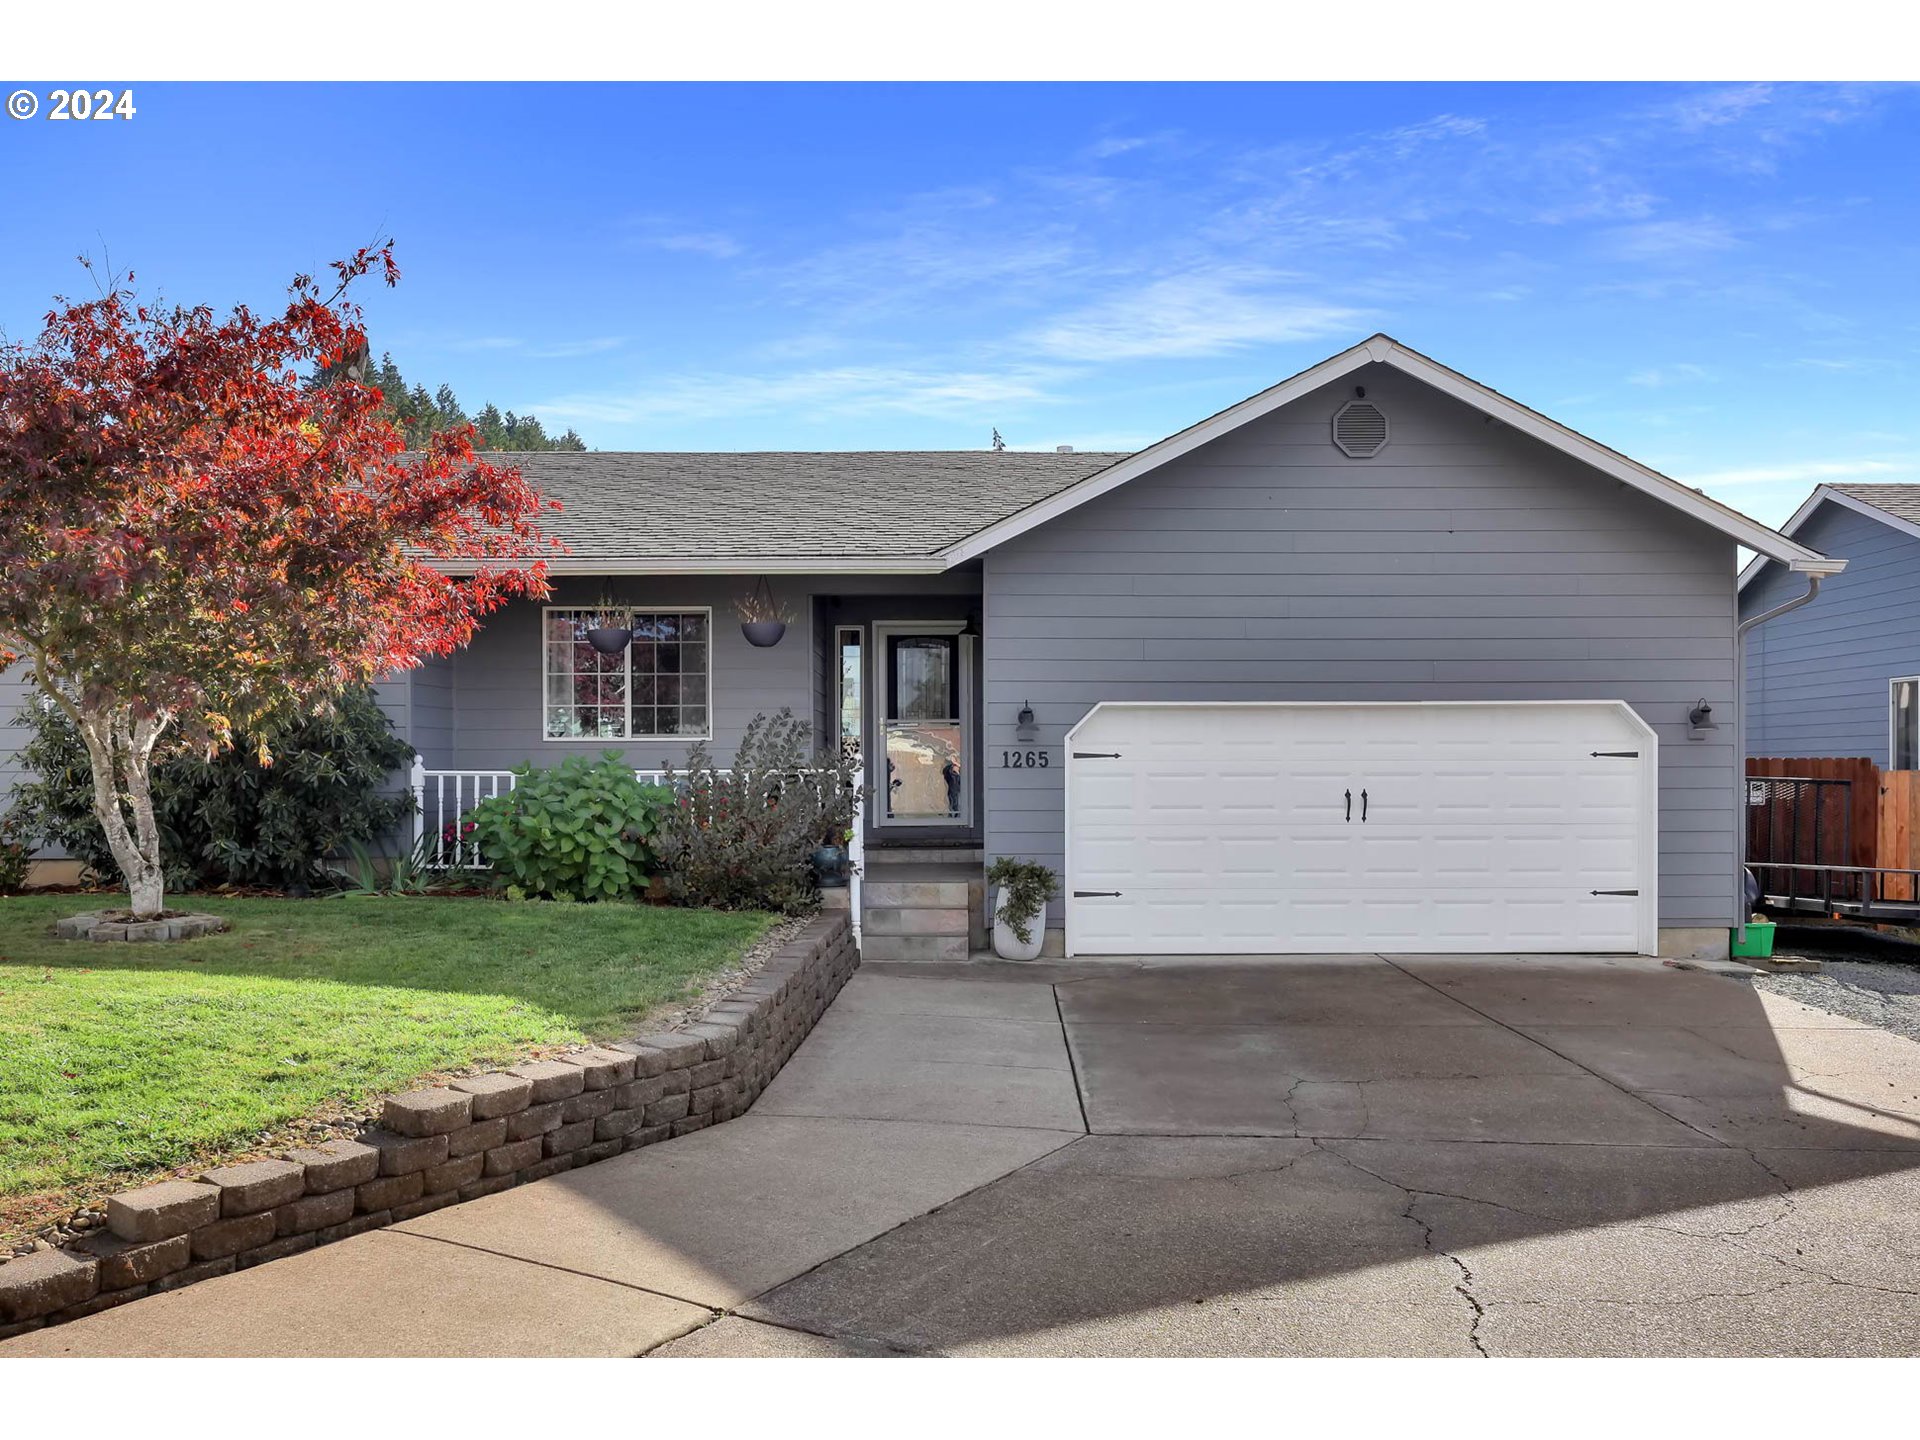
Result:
886,869
933,907
913,894
912,947
927,855
898,920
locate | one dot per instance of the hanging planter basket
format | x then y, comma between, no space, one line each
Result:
609,639
763,619
606,636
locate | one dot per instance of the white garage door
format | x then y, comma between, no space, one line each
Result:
1249,829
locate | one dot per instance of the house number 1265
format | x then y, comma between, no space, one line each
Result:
1025,759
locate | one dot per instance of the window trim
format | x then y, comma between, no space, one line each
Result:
548,611
840,637
1893,747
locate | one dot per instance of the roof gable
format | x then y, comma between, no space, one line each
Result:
1383,349
1895,506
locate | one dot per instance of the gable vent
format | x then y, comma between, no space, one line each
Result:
1360,429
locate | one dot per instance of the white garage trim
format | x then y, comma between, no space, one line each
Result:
1616,716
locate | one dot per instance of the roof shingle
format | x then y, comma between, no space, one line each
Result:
1900,500
789,504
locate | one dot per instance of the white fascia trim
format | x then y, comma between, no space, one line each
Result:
1633,717
1386,350
730,565
1821,495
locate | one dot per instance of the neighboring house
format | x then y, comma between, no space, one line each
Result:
1377,659
1841,677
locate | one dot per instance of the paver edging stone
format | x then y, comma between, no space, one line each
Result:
432,1149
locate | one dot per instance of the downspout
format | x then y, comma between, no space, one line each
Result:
1740,741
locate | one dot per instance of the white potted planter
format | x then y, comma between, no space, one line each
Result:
1006,943
1021,891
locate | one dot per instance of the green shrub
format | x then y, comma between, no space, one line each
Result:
743,839
16,854
583,830
231,820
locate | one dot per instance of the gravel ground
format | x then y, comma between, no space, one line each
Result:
1864,977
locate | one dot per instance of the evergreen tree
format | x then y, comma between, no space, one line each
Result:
420,414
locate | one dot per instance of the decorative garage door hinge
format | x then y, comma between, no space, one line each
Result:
1614,754
1087,894
1096,754
1613,892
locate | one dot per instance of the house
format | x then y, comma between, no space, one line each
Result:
1841,678
1375,660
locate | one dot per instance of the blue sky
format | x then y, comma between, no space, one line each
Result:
1719,280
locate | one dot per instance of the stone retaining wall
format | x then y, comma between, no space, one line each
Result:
475,1137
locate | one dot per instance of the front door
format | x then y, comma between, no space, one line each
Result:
922,694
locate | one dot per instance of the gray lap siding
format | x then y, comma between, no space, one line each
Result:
1817,677
1464,562
482,709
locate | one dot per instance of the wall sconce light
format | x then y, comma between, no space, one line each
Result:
1700,721
1025,726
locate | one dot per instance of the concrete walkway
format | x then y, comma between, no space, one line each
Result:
1342,1155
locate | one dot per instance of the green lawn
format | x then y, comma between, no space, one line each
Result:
119,1060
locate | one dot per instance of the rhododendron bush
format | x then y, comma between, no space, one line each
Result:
196,538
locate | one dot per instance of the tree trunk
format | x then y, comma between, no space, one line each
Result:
120,748
148,895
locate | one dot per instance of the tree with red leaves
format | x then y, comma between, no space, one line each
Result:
195,538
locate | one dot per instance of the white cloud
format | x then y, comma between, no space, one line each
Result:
1202,313
935,255
1112,145
846,390
1404,141
1668,239
569,349
1801,470
538,350
1659,376
1711,108
711,243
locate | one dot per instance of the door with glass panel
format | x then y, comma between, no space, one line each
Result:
921,688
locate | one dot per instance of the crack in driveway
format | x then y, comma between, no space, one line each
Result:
963,1260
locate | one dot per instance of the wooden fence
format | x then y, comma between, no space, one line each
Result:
1873,821
1899,831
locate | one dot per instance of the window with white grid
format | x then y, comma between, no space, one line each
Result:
657,688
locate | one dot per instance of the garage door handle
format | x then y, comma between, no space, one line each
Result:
1096,754
1096,894
1613,892
1614,754
1349,807
1363,807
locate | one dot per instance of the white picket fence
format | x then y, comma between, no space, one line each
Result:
442,798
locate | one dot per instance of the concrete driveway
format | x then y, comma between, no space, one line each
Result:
1311,1156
